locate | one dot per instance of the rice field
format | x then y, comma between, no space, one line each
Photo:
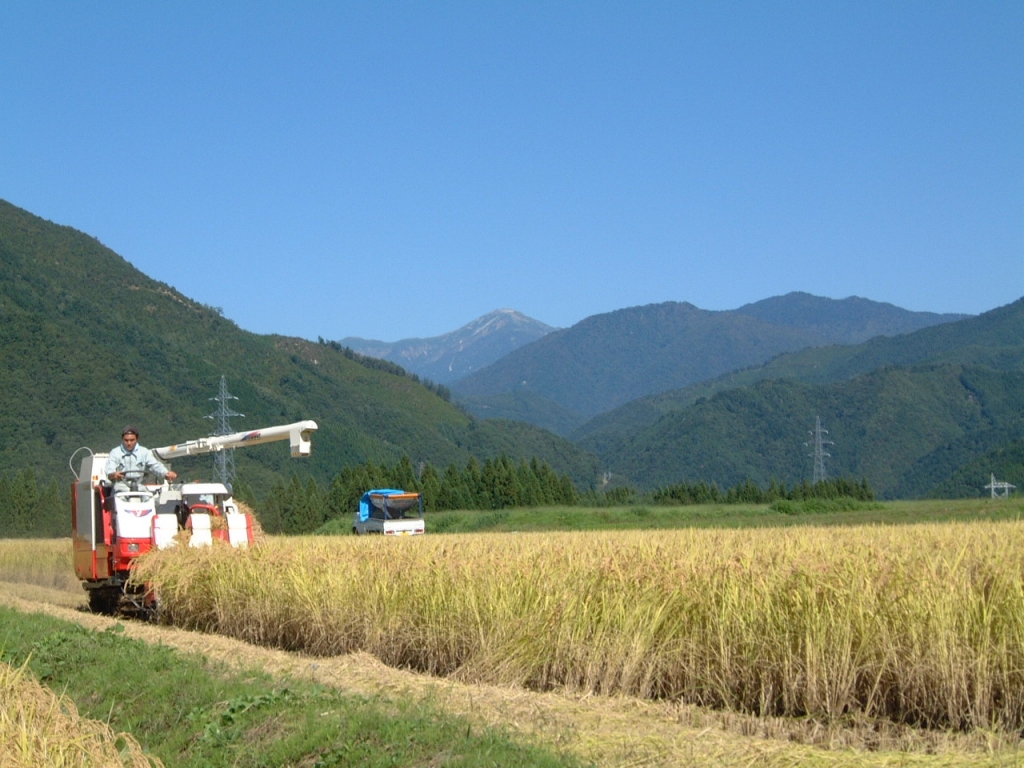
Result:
43,562
920,624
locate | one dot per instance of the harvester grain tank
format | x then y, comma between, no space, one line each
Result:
111,530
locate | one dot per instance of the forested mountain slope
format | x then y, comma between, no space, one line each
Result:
994,339
843,321
607,360
908,431
90,343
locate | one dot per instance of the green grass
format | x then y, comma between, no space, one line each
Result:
814,512
190,712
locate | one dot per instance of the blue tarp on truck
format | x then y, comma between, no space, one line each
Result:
389,504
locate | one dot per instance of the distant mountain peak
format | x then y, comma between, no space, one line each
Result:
455,354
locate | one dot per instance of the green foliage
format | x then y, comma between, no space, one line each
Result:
748,492
502,492
90,343
189,712
499,484
1006,463
904,429
526,406
780,514
379,364
821,505
30,508
610,359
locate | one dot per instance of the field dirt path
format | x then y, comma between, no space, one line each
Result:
602,730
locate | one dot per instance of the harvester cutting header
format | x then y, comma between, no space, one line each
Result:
113,523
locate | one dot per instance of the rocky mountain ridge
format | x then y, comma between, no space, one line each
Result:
456,354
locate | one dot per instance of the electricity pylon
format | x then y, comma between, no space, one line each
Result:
820,441
224,461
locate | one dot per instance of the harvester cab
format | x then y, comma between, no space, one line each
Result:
111,530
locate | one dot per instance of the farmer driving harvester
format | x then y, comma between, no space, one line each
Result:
130,462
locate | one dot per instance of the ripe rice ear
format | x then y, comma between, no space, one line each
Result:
39,728
916,624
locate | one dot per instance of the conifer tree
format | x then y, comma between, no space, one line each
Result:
53,518
402,476
24,501
476,494
452,494
430,486
529,485
6,515
272,512
502,484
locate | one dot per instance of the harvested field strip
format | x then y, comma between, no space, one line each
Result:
605,731
919,625
193,712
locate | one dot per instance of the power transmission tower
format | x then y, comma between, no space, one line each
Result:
224,461
1000,489
820,441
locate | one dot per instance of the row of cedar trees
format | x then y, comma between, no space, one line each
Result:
300,507
297,507
750,493
31,508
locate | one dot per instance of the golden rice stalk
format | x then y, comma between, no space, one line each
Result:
41,730
43,562
916,624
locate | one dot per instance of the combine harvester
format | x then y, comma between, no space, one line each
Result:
110,530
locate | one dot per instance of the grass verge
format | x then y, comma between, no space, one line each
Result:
817,513
189,712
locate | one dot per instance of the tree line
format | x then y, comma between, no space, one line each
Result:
302,507
30,508
749,492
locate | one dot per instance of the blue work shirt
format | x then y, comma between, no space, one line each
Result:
141,459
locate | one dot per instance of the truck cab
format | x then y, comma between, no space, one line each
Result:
389,511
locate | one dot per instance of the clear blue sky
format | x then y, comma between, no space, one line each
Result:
397,169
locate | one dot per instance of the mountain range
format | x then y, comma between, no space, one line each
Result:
570,376
908,412
916,403
919,403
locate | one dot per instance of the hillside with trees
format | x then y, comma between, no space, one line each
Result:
90,344
907,431
994,339
570,376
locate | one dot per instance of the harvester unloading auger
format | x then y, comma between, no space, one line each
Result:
110,530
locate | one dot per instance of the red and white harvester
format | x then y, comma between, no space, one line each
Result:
110,530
